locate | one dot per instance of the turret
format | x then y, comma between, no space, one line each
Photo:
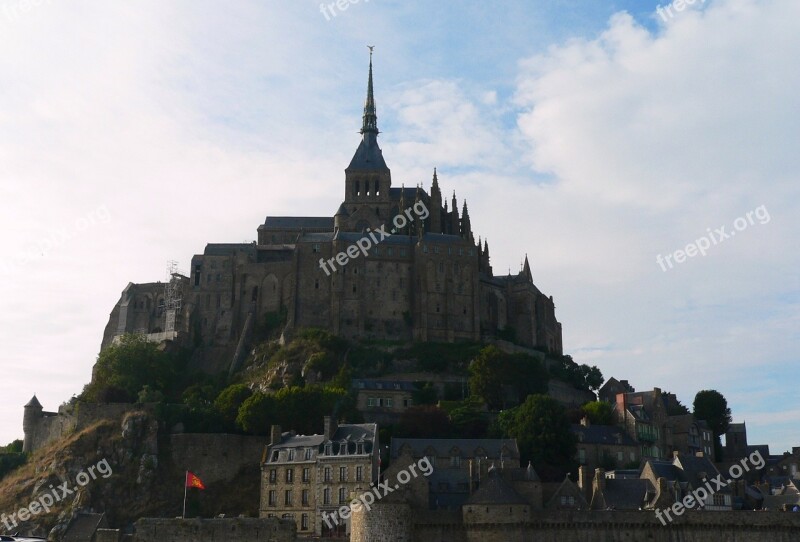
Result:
436,205
466,227
33,413
455,223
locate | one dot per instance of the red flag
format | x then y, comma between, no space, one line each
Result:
193,481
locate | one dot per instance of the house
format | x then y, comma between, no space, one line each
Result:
684,474
690,436
459,465
643,416
605,446
383,401
304,476
608,391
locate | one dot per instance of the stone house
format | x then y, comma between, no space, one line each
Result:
304,476
606,446
383,401
684,474
459,465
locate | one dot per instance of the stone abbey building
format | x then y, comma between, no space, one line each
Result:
426,280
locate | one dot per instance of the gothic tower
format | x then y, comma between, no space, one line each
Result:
368,179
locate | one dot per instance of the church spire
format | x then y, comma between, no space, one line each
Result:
370,124
368,155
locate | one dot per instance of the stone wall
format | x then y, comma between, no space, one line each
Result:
208,530
580,526
567,395
51,426
216,457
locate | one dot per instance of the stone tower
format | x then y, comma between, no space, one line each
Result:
33,413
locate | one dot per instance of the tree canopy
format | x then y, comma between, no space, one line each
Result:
542,431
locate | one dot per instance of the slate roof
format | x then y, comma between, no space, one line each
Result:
627,494
603,434
324,223
34,402
368,156
83,528
495,490
467,447
352,433
227,249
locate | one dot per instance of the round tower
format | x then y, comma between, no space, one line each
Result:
33,413
386,522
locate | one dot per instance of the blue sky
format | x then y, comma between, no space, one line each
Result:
591,135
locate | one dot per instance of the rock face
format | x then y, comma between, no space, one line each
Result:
110,467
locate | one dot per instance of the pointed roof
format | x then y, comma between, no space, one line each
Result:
368,154
526,269
495,491
34,403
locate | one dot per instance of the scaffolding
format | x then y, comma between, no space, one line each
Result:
173,295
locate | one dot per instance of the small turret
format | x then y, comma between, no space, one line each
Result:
466,227
33,413
436,205
455,223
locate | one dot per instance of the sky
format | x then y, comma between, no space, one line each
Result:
644,158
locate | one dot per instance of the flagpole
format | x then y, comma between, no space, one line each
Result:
185,477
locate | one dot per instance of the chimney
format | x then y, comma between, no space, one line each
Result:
275,435
330,427
600,479
657,391
621,405
583,477
585,421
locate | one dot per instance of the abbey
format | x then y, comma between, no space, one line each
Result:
427,281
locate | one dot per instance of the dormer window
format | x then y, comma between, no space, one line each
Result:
328,449
360,448
309,453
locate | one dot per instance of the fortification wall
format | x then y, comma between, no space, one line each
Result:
215,530
588,526
567,395
53,426
216,457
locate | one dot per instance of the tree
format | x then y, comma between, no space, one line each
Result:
424,421
493,374
229,401
486,378
711,406
599,412
129,366
468,420
592,377
256,414
542,432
